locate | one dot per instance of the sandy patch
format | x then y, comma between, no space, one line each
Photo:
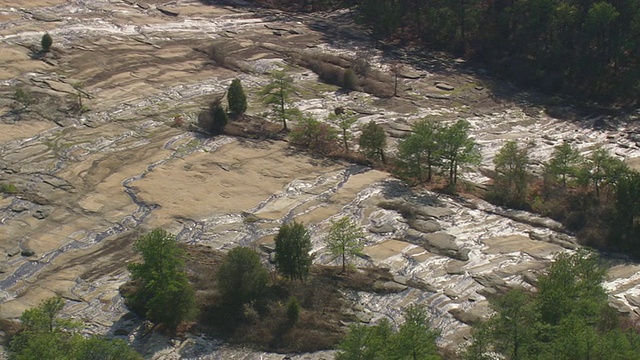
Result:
15,60
230,180
520,243
385,250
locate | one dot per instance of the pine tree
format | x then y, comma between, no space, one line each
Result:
345,239
236,97
293,247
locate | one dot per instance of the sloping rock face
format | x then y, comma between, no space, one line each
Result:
91,177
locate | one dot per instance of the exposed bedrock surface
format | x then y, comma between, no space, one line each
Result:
89,182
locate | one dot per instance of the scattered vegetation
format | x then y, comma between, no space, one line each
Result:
268,322
315,136
431,146
161,291
46,42
595,196
43,334
568,318
414,339
336,70
219,54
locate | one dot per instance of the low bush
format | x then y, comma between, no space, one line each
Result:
349,80
46,42
8,189
293,310
315,136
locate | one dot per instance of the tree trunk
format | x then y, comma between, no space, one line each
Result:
344,139
395,84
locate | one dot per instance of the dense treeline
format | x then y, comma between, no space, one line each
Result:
568,318
587,48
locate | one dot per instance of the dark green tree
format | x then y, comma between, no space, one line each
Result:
415,340
163,291
349,80
573,284
602,171
564,163
512,174
457,149
568,318
214,119
365,342
97,348
345,239
236,98
513,324
46,42
625,227
373,141
45,335
241,277
293,251
420,152
293,310
277,94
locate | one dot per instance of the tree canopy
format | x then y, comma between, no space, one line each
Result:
568,318
163,292
241,277
293,251
278,94
46,335
345,239
414,340
373,141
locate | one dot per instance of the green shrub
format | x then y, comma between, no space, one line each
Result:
293,310
8,189
24,96
220,119
241,277
311,134
46,42
214,119
349,80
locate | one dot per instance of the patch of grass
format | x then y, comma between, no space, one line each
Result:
8,189
24,96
